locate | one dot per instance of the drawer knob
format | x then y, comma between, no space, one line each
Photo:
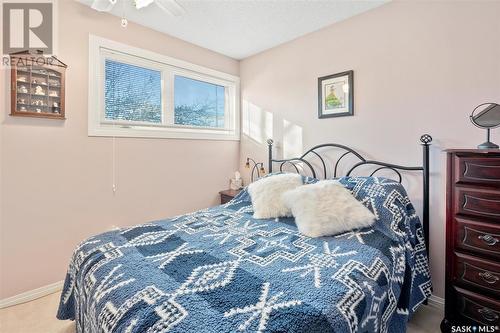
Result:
488,277
488,314
488,239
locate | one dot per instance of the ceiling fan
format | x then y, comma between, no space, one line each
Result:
169,6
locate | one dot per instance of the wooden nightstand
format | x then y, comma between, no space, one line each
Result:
227,195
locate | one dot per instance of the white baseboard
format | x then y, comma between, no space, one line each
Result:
436,302
31,294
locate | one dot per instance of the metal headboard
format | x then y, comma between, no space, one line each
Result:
425,140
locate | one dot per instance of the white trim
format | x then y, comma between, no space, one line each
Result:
98,128
31,294
436,302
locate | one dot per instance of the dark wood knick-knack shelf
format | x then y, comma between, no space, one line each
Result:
37,86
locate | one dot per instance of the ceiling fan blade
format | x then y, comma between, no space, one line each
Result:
103,5
171,6
142,3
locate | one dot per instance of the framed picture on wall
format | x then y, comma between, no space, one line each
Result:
336,95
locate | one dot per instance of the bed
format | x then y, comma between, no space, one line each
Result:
220,270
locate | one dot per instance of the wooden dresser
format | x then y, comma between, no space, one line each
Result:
472,239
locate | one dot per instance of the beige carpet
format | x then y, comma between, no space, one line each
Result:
38,316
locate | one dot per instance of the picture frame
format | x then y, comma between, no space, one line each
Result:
336,95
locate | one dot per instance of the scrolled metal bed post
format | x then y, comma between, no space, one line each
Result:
270,155
426,139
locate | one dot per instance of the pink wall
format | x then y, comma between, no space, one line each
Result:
419,67
56,181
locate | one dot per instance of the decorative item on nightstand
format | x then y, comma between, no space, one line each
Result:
257,167
472,285
236,183
487,116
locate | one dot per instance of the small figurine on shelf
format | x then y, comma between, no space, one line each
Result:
23,89
22,108
34,81
21,79
39,90
38,110
21,101
39,71
53,94
55,104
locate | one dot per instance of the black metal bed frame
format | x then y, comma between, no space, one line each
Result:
425,140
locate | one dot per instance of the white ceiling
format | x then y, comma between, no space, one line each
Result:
241,28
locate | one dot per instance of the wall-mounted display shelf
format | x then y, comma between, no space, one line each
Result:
37,86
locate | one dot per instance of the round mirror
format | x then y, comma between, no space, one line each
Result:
487,116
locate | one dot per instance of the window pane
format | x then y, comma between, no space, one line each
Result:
132,93
198,103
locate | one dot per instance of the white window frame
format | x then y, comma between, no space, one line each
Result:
101,49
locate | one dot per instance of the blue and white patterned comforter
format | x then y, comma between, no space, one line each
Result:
220,270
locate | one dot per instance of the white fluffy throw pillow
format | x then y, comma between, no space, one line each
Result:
266,194
326,208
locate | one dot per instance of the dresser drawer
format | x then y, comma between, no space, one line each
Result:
477,273
479,308
477,202
477,170
478,237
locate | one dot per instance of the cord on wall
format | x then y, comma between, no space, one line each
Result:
113,163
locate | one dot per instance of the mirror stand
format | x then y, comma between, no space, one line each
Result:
486,116
488,144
